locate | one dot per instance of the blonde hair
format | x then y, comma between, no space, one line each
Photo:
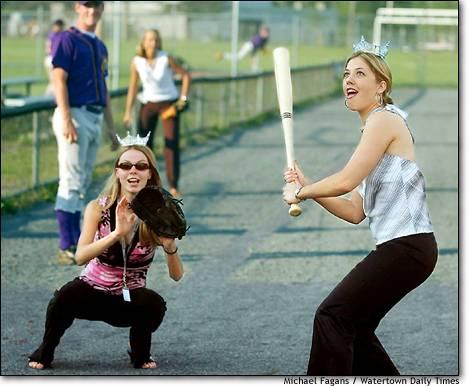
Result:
141,50
380,68
112,189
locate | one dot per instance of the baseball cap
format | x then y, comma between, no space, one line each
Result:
96,3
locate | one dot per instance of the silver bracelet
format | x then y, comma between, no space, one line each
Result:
170,253
297,191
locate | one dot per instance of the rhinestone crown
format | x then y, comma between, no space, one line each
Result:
376,49
131,140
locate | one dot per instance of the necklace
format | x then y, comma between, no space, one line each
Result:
125,251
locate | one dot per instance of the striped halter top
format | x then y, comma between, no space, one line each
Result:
394,197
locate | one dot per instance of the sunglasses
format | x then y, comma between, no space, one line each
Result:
128,165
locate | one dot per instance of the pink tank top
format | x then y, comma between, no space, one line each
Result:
105,271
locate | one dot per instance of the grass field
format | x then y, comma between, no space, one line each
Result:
434,69
430,69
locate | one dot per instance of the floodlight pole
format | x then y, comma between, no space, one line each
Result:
116,32
234,37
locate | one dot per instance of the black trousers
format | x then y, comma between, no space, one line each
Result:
344,340
148,120
78,300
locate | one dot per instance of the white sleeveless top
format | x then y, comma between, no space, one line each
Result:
157,82
394,197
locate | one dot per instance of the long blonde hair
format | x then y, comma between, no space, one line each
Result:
381,70
112,189
140,51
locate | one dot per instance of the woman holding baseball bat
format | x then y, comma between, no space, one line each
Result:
388,187
159,98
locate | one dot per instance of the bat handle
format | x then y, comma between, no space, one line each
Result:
295,210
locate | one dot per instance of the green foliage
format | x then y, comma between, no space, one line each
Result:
12,204
202,6
45,193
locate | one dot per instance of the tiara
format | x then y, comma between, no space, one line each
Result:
376,49
131,140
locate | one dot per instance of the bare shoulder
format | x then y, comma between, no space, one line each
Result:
385,122
94,209
386,118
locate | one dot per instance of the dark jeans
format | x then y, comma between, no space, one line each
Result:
148,120
77,299
344,340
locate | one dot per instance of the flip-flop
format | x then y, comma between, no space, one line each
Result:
132,359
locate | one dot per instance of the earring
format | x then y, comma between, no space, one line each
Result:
345,102
379,99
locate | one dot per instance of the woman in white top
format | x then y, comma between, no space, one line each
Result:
386,186
155,69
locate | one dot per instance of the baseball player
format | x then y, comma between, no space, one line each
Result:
79,59
252,46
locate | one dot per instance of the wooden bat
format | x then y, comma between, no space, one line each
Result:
285,104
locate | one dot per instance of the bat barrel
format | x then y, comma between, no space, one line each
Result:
285,103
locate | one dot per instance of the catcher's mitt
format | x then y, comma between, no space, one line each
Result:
160,211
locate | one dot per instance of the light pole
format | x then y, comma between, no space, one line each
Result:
234,37
116,31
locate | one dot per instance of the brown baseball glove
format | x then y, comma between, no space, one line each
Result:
160,211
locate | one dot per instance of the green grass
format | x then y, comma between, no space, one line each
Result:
438,69
11,204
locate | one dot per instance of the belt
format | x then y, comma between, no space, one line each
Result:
94,109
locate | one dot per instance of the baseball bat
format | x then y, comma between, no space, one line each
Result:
285,104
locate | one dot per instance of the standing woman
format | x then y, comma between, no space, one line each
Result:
387,187
110,288
156,69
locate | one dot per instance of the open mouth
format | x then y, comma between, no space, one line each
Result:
350,92
133,181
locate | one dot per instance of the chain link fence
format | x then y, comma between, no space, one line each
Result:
28,145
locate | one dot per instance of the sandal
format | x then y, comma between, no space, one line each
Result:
44,366
150,359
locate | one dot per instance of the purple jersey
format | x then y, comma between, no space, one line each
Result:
258,41
85,60
51,37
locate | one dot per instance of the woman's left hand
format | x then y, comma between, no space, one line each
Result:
289,190
181,104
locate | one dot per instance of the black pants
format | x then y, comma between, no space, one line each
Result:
79,300
344,340
148,120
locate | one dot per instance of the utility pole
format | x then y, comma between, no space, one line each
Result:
351,23
234,37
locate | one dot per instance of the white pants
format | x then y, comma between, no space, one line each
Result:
76,160
246,49
49,67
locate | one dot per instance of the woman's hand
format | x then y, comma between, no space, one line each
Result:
127,119
176,271
125,217
289,190
181,104
168,244
294,179
296,175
